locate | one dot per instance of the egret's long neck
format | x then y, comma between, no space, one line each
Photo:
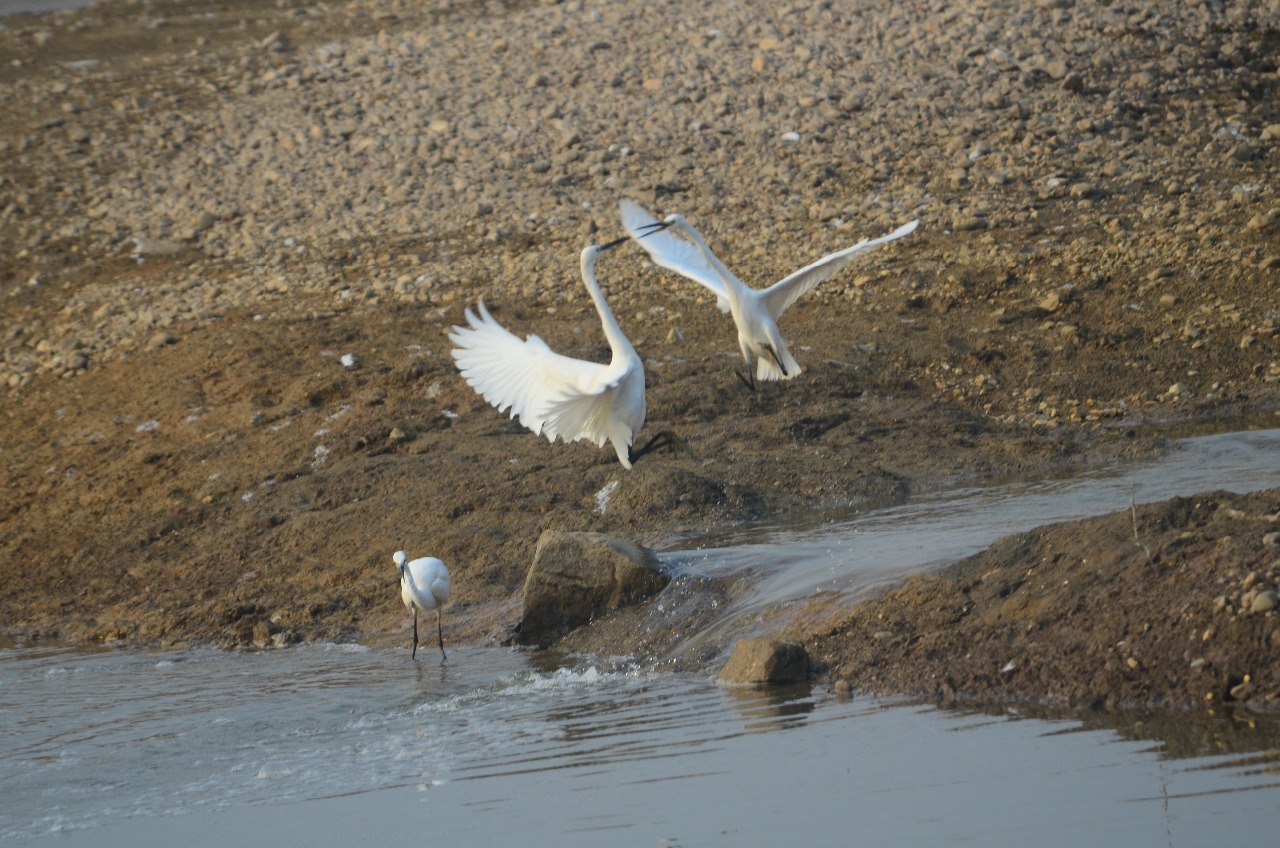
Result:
732,284
618,341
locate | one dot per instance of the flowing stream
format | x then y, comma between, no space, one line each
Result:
342,744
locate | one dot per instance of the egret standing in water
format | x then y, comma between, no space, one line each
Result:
556,395
424,585
755,311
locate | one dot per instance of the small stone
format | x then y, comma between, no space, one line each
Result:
1073,82
1242,691
144,246
263,631
1271,540
1001,58
1051,301
762,662
1264,601
1056,68
349,361
1262,221
967,223
159,340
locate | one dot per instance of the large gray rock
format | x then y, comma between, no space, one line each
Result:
765,662
576,577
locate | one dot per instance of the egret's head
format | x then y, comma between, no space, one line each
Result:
400,558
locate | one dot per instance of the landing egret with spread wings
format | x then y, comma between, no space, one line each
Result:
755,311
556,395
424,585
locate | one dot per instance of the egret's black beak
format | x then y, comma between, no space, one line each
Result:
655,227
613,243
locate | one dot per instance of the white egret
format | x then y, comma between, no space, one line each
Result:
556,395
755,311
424,585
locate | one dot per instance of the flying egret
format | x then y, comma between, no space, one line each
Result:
424,585
755,311
555,395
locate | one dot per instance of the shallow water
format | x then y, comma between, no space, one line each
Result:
18,7
343,744
853,555
340,745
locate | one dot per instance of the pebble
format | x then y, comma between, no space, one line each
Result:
1242,691
1264,601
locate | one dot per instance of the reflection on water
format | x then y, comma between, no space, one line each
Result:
342,744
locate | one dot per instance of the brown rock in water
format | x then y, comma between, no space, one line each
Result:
764,662
576,577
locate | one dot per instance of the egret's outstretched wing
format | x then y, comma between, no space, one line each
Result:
523,374
786,291
670,251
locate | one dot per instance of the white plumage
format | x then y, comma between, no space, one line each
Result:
755,311
552,394
424,585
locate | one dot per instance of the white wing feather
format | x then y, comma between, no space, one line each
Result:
579,415
553,395
786,291
525,375
670,251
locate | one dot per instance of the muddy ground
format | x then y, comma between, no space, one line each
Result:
204,206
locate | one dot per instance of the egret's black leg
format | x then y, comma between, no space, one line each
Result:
440,633
415,635
774,354
749,383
